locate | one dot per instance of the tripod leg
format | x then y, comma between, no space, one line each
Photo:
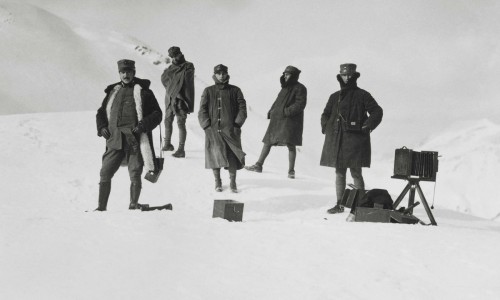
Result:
411,200
426,205
402,195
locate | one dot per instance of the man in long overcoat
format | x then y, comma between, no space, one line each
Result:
347,120
222,113
126,119
178,80
286,120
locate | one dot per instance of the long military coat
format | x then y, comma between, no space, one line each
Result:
343,149
222,113
287,115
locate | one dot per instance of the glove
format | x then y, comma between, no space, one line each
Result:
138,129
366,129
105,133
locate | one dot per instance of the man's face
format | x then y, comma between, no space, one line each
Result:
177,58
127,75
346,77
287,76
221,76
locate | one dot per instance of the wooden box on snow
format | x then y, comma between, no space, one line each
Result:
230,210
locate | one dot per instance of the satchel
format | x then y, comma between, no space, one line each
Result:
347,125
352,126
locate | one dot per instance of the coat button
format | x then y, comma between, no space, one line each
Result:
218,130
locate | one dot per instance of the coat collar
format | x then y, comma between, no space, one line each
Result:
351,83
292,81
221,85
144,83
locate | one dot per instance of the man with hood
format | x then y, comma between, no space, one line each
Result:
349,117
126,119
286,120
178,80
222,113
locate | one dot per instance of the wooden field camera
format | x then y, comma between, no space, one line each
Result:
423,165
414,167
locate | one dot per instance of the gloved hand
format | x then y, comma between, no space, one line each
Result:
366,129
138,129
105,133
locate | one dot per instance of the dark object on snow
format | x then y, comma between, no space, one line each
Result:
228,209
153,176
351,196
380,215
377,206
375,198
422,164
146,207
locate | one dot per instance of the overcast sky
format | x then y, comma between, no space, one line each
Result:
440,58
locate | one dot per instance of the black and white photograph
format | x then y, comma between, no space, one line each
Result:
249,149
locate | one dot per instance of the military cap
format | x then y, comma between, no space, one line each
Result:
126,64
347,69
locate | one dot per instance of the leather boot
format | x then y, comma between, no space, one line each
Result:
135,192
218,181
104,191
232,183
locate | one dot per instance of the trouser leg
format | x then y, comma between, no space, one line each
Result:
111,161
169,120
135,192
181,123
357,177
292,154
263,154
104,191
340,182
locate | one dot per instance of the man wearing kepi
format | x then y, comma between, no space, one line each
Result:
178,80
286,120
222,113
126,118
349,117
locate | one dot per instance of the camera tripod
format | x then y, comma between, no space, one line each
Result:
413,184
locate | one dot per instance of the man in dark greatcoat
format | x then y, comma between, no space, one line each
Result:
347,120
126,118
178,80
286,120
222,112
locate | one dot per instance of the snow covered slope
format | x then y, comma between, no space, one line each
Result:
469,170
286,248
51,64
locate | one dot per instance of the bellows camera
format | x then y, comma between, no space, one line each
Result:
409,163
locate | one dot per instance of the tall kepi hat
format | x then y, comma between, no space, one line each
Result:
347,69
174,51
220,68
126,64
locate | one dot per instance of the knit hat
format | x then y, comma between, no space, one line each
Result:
292,70
126,64
174,51
347,69
220,68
